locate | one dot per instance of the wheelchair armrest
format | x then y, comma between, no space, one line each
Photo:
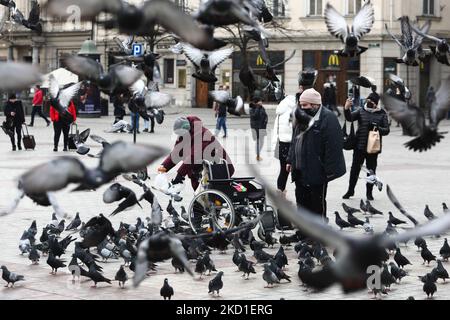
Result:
221,181
245,179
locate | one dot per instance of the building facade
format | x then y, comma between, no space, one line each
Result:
303,30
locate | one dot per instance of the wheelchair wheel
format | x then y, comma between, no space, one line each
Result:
209,210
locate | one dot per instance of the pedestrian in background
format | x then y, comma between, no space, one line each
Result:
62,124
37,103
220,110
258,124
15,117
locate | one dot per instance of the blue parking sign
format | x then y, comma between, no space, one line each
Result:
138,49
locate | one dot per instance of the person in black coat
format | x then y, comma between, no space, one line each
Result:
258,124
329,98
15,116
316,154
119,108
369,117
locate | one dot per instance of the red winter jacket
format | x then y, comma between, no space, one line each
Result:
54,114
38,98
192,160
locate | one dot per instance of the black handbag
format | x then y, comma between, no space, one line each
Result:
349,139
73,137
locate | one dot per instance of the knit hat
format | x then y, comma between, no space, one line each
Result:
374,97
181,125
311,96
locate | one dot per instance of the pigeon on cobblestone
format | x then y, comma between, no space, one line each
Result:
387,279
426,254
278,271
246,266
428,214
178,265
429,286
75,269
400,259
75,223
394,221
445,250
237,257
372,210
418,243
368,228
269,277
354,221
396,272
281,258
96,276
262,256
349,210
97,229
209,264
34,255
363,206
440,271
166,291
341,223
121,276
11,277
216,284
55,263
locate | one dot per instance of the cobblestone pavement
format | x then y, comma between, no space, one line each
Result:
417,179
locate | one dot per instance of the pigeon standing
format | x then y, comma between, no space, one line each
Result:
394,221
341,223
216,284
440,271
372,210
426,254
11,277
246,267
429,286
368,228
121,276
363,206
428,214
34,255
96,276
396,272
386,277
166,290
349,210
445,250
75,223
354,221
269,276
55,263
400,259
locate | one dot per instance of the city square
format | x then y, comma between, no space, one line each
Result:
170,86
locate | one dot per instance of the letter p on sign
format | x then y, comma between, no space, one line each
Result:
138,49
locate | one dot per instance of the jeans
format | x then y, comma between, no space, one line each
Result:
38,110
221,123
134,116
18,130
63,127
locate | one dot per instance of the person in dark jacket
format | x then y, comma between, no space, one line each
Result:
369,117
316,154
258,124
119,108
15,116
195,143
329,98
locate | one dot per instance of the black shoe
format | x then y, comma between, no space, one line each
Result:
369,196
348,195
145,130
65,149
152,131
30,125
20,147
55,149
14,148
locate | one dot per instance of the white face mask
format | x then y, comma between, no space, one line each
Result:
181,132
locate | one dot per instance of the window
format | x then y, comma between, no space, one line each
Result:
182,4
276,7
182,78
428,7
168,70
353,7
315,8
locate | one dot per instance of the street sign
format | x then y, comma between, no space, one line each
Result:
138,49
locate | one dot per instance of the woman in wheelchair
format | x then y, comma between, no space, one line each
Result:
194,144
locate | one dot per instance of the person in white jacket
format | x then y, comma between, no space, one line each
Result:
282,136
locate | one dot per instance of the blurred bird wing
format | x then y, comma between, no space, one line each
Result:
66,95
33,17
193,54
98,139
425,35
219,56
407,34
441,104
125,75
52,176
83,66
138,87
400,44
155,99
335,22
397,204
220,96
126,157
172,19
178,251
88,9
306,222
396,79
156,214
112,194
239,104
418,38
411,118
285,60
17,16
18,76
364,20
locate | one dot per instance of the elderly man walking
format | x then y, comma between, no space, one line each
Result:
316,154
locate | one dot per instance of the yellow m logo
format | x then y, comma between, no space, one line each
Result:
333,60
259,61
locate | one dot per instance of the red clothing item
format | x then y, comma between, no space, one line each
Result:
201,146
38,98
54,114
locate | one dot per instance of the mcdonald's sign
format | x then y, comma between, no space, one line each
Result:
333,60
259,60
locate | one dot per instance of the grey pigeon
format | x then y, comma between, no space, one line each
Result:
75,223
121,276
216,284
11,277
269,277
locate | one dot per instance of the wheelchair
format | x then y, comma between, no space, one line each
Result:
225,201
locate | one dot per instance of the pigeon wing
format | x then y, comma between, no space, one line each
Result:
34,15
335,22
364,20
411,118
138,87
418,38
85,67
18,76
220,96
157,99
425,35
441,105
125,75
125,157
99,139
193,54
219,56
66,95
400,44
52,176
397,204
89,9
407,35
